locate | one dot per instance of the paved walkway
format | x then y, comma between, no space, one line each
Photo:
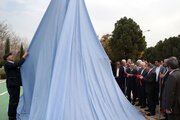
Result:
151,117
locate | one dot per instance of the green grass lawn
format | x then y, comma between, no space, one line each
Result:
4,100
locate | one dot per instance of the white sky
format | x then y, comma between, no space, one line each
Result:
162,17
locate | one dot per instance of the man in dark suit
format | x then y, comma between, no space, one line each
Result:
119,75
150,83
172,90
159,69
131,83
13,82
164,78
141,85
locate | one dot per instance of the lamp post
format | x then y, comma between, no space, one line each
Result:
146,31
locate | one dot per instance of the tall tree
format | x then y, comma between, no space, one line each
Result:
7,46
21,50
164,49
127,40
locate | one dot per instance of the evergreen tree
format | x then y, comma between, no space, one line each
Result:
7,46
21,51
164,49
127,40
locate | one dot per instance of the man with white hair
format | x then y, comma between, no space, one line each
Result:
124,64
131,83
138,67
141,85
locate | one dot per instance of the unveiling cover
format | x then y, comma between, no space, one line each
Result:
67,75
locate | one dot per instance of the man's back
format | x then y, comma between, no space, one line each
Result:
173,92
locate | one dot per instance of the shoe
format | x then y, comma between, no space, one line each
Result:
133,103
150,114
143,106
12,118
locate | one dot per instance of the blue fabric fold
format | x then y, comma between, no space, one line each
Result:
67,75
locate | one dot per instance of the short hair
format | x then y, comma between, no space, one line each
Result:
165,60
123,60
150,65
172,63
158,61
143,63
139,61
132,63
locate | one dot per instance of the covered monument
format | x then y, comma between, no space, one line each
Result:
67,75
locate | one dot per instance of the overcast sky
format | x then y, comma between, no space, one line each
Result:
162,17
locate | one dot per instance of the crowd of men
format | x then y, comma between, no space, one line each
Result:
151,85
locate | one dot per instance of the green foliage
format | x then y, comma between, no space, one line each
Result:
2,63
7,46
2,74
127,40
105,39
164,49
21,51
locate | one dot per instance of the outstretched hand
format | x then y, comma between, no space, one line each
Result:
25,54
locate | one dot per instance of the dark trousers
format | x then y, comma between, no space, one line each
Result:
121,84
14,93
142,96
173,116
151,101
157,93
131,86
138,91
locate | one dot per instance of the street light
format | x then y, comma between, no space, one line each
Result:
146,31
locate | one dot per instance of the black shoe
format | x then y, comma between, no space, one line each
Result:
150,114
133,103
12,118
143,106
138,104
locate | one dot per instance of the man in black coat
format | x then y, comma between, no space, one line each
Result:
150,83
141,86
164,77
159,69
172,90
13,82
131,83
119,75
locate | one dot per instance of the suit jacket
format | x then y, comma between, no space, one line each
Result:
131,79
13,73
121,74
150,81
163,93
143,74
173,92
162,70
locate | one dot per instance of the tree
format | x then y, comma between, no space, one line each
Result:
164,49
21,51
7,46
127,40
105,39
149,54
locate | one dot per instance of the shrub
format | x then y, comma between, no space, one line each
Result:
2,74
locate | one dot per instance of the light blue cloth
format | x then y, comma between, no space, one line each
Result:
67,75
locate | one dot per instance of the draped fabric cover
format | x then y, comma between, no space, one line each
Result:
67,75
